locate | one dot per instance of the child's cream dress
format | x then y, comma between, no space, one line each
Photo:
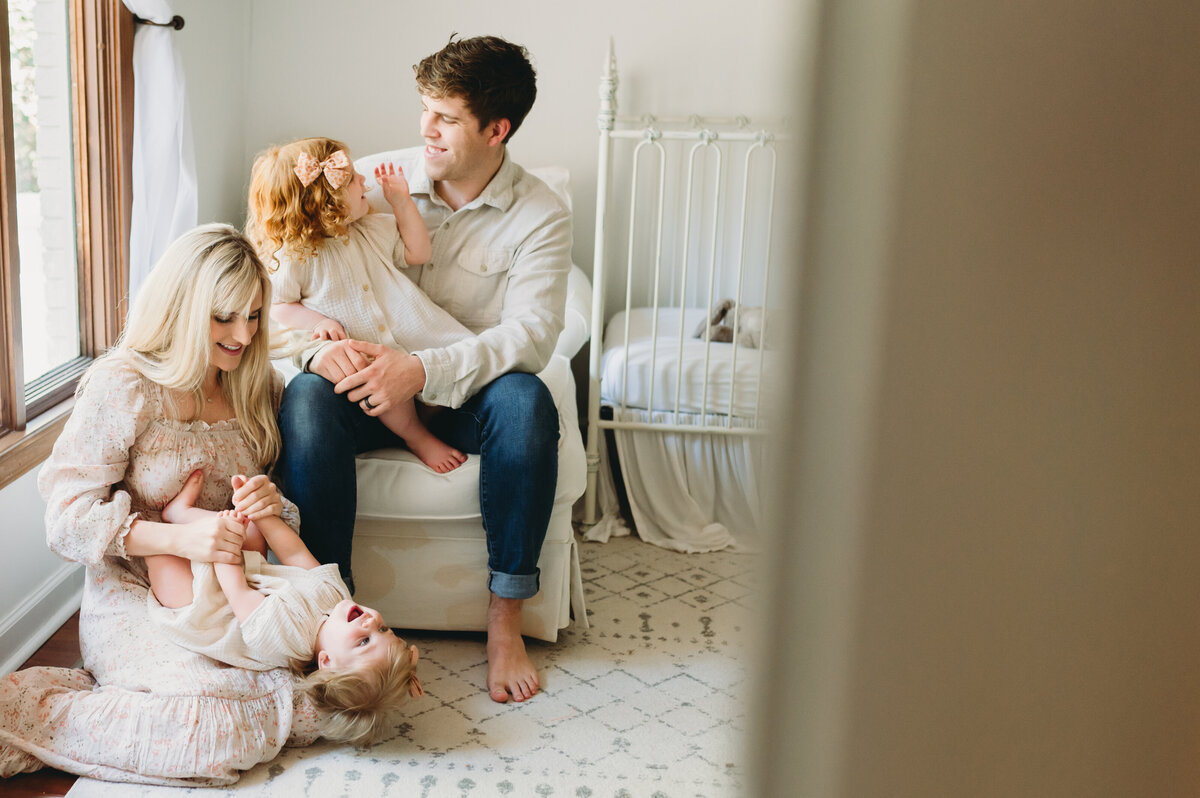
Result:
149,710
280,630
358,281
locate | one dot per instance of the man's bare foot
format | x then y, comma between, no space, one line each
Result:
176,510
510,671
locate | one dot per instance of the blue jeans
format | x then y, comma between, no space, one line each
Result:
511,424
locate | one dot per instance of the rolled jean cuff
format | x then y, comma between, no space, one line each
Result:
514,586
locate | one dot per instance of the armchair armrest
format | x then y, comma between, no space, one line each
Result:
577,327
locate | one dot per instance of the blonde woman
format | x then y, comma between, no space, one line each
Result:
147,415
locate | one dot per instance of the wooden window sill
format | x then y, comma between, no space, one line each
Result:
24,450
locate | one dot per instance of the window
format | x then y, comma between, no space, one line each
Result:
66,83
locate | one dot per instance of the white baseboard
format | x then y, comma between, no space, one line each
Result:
26,628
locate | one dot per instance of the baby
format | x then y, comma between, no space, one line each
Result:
336,266
297,615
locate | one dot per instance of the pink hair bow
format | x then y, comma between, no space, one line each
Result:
336,168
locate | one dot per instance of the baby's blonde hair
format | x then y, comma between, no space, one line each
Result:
286,215
355,705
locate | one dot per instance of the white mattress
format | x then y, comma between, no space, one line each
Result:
658,364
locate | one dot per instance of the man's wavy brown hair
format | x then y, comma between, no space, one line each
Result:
286,215
492,76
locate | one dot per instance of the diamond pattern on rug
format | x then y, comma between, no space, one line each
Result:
650,701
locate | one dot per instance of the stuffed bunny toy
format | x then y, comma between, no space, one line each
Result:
750,321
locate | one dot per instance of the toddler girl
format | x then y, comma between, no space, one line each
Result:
335,265
297,615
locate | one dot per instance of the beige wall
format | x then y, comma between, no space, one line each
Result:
269,71
989,578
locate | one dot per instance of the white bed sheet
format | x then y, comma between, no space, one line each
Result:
656,363
687,492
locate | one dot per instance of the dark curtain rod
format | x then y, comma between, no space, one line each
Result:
176,22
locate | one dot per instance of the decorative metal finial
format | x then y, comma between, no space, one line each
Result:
608,90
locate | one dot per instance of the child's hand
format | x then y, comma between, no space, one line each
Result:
256,497
391,180
329,330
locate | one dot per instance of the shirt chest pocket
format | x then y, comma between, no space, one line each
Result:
479,284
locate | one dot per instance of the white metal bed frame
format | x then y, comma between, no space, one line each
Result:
710,135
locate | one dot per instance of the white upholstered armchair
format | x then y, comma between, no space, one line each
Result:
420,557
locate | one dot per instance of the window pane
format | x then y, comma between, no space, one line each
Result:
41,97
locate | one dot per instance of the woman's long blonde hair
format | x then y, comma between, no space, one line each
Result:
287,215
209,271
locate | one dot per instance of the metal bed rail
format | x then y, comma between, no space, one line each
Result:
710,139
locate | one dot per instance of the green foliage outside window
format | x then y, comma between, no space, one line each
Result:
22,34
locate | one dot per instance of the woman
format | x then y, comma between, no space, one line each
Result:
188,386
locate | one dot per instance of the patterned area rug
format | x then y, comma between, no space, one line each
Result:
647,702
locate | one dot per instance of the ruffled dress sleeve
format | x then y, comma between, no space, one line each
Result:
88,513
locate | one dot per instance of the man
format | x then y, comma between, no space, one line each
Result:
501,253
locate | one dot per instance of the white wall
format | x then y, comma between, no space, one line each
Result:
214,47
38,591
310,69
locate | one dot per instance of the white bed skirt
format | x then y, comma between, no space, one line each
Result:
687,492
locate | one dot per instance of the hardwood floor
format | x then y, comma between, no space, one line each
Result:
60,651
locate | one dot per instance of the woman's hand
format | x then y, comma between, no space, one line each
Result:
256,497
215,539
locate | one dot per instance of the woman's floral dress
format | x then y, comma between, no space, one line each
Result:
144,710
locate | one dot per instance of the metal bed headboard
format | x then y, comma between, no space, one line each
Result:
710,137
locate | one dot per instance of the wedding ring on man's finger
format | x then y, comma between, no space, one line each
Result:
367,402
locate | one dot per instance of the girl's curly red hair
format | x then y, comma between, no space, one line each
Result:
286,215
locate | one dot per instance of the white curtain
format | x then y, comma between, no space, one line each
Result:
164,168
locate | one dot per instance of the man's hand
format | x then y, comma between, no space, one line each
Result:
391,379
338,361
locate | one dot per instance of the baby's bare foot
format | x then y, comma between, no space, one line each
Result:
435,453
236,517
176,510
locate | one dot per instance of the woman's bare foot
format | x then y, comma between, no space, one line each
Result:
176,510
511,673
